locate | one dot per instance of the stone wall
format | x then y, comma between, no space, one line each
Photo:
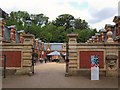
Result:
75,48
26,54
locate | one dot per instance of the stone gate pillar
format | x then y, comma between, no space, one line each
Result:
72,68
0,31
27,67
111,56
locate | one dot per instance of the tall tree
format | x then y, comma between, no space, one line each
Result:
63,20
18,19
39,19
54,31
81,24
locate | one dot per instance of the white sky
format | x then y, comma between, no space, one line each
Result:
96,12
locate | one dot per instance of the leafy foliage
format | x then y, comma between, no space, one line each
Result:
54,31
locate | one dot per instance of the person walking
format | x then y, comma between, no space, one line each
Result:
45,59
34,60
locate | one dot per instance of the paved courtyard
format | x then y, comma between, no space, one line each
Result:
52,75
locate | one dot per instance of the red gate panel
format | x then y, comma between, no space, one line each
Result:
85,58
13,58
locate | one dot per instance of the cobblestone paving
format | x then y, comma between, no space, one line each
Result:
52,75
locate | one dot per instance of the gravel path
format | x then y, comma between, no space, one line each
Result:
52,75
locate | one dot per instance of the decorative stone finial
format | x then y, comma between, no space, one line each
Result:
109,35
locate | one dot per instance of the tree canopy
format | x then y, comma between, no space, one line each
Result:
51,31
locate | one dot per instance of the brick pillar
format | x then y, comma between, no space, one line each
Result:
27,67
72,54
21,37
13,35
2,22
102,37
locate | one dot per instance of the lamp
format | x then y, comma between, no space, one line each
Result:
72,24
28,21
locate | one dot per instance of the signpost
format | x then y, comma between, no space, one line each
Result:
94,68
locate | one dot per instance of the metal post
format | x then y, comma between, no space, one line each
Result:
67,60
32,61
4,66
28,30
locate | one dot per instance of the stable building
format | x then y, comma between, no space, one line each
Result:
116,20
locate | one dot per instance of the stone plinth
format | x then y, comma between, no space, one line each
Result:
28,38
111,65
72,38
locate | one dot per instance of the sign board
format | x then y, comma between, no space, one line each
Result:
94,68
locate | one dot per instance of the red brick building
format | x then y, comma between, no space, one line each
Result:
116,20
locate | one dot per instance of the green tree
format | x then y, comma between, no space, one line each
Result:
18,19
63,20
54,31
39,19
81,24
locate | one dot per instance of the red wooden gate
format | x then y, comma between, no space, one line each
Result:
85,58
13,58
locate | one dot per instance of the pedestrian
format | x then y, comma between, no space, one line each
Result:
45,59
34,60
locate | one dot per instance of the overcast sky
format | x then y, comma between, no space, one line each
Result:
96,12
